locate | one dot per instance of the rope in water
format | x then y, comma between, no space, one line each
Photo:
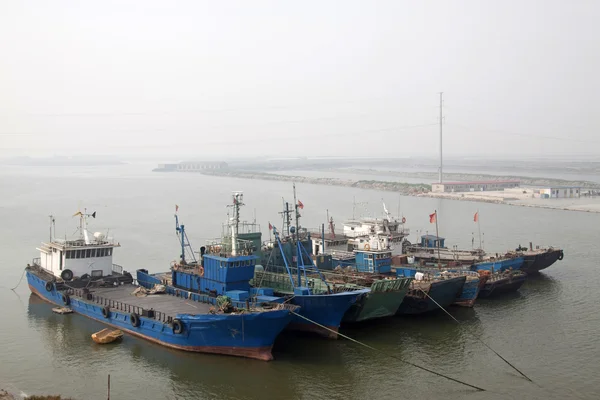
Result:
390,355
478,338
22,275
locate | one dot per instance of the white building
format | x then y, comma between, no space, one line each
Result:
559,192
475,186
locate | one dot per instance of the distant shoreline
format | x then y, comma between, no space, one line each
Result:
411,189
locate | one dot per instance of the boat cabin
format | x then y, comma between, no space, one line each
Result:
219,271
432,241
378,261
87,255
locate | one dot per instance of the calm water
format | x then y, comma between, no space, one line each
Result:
549,329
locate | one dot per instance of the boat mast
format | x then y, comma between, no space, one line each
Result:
285,215
52,226
298,244
437,240
441,121
479,228
235,221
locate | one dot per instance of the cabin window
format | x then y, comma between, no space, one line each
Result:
88,253
109,251
222,265
93,252
68,254
96,273
77,253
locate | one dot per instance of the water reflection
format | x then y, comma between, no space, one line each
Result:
188,374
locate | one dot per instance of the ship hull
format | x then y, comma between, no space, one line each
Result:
249,335
534,263
323,314
444,292
470,292
500,265
385,298
501,286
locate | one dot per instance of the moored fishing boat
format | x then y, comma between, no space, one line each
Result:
432,248
538,259
322,305
368,265
502,282
429,293
372,270
79,274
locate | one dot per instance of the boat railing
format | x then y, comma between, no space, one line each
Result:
117,268
342,254
37,261
223,248
121,306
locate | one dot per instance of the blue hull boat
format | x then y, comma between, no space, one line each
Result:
79,274
248,335
499,265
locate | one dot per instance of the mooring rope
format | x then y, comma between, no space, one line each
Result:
390,355
478,338
22,275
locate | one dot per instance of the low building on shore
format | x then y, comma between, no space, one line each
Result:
474,186
558,192
191,166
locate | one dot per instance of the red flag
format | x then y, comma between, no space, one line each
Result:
234,200
176,208
300,205
432,218
476,217
270,227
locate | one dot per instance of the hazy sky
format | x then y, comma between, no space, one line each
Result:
312,78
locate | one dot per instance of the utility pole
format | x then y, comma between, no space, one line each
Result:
441,122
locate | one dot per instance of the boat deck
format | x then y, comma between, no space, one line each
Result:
163,303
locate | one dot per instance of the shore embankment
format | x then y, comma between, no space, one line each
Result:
516,197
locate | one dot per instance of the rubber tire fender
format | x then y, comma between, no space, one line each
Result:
177,326
66,299
134,319
49,286
66,275
561,256
106,312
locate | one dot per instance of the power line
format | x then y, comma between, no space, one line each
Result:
528,135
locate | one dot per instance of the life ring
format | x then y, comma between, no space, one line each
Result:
201,270
134,319
66,275
367,247
49,286
66,299
403,220
177,326
561,255
106,312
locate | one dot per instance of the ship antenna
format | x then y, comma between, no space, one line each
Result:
52,227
